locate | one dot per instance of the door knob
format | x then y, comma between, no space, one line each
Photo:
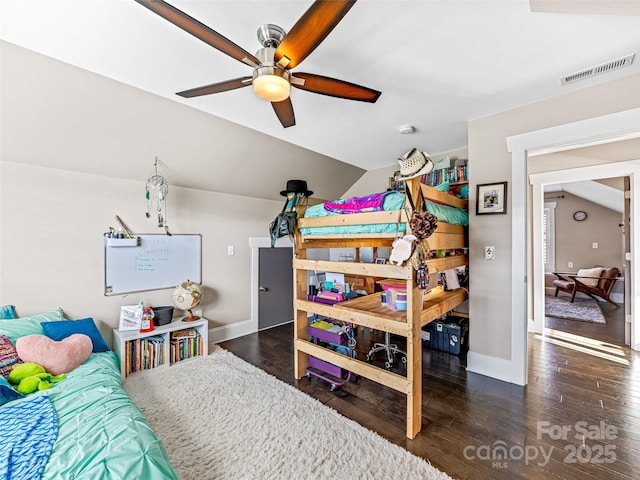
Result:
263,289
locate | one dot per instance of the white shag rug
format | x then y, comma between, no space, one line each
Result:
222,418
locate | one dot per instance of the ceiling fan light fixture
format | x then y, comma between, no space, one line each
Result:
271,83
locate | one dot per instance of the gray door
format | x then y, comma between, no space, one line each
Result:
275,299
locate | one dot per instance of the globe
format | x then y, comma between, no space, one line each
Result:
187,296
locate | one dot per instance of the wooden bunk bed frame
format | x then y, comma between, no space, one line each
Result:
368,311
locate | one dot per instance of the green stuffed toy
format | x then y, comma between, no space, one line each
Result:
29,377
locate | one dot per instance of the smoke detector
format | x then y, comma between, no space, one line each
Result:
598,70
407,129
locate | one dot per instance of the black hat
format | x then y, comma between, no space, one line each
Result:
296,186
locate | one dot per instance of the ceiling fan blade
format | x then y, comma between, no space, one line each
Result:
284,111
310,30
216,87
199,30
334,87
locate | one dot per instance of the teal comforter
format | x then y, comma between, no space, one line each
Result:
392,201
102,434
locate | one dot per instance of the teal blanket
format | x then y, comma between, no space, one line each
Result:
392,201
102,433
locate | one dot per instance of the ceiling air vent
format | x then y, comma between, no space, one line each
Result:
598,70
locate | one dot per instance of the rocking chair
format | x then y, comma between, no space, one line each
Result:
602,287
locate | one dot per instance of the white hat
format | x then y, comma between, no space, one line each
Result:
413,164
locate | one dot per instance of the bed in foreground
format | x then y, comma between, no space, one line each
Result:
101,433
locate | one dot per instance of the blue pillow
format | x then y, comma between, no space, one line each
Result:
65,328
7,311
7,393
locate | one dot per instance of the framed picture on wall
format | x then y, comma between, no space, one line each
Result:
491,198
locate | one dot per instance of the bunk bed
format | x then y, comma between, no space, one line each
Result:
367,311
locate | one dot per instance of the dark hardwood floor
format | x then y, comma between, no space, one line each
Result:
582,383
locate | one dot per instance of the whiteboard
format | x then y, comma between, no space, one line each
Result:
158,261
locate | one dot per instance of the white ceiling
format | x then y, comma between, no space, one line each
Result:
438,64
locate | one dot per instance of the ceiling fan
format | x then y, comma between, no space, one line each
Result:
272,77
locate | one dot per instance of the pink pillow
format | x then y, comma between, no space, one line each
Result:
55,357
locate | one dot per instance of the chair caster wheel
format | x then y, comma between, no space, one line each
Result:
334,387
404,360
388,365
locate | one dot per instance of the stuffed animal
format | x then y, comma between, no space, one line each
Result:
401,249
55,356
29,377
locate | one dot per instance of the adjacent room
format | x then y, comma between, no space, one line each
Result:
416,262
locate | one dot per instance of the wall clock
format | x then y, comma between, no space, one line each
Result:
579,216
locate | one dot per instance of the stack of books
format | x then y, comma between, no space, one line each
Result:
144,353
453,175
185,344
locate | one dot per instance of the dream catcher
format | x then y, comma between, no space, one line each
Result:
157,190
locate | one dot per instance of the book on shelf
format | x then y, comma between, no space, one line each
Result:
144,353
186,333
186,347
455,174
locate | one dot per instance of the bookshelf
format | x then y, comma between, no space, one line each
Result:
166,345
457,176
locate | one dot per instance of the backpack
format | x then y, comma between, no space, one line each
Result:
284,224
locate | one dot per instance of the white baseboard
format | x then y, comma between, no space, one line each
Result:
497,368
230,331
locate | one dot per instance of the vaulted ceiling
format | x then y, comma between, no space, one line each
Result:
438,64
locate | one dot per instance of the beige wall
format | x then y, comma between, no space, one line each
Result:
80,121
489,161
51,245
574,240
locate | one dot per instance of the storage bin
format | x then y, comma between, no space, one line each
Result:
326,367
162,315
325,331
451,336
394,298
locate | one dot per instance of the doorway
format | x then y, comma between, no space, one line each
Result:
258,246
584,228
541,180
528,203
275,291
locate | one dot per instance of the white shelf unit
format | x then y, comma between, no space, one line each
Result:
120,340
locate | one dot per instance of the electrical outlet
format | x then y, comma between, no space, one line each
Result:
489,252
230,250
594,245
569,264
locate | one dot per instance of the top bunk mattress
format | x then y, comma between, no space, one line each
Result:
390,201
